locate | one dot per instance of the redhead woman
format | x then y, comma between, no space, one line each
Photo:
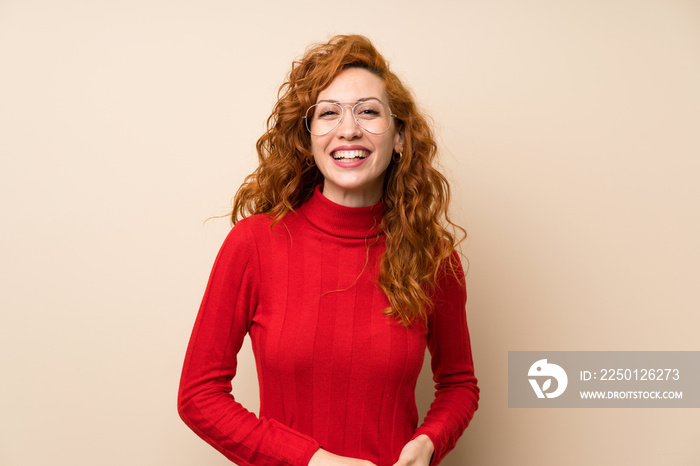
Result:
341,266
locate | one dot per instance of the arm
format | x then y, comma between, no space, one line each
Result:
417,452
204,400
456,390
324,458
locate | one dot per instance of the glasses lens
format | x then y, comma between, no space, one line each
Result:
322,118
373,116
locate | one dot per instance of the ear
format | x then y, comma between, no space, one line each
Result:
398,141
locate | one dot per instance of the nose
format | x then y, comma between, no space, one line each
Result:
348,128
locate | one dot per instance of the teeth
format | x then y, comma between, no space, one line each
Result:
350,154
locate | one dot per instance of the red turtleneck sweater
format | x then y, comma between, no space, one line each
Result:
334,372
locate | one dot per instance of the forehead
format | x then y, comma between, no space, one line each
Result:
354,84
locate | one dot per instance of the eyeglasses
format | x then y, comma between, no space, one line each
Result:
373,115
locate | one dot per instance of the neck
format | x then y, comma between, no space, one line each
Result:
342,221
350,198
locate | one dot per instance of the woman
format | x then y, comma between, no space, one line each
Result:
342,273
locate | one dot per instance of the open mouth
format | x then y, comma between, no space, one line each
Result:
350,155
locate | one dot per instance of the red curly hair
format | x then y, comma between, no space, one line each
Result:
415,197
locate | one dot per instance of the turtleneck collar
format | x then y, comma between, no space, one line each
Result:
342,221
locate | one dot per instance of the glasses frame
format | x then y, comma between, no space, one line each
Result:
343,106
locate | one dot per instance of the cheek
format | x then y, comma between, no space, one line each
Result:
316,148
387,146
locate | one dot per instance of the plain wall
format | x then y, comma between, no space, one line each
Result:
569,130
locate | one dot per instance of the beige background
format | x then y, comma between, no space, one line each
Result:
569,130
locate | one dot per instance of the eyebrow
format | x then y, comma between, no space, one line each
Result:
363,99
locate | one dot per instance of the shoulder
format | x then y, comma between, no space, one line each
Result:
249,228
252,223
450,280
264,226
241,239
260,231
259,223
451,268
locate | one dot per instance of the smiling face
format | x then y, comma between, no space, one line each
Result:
352,160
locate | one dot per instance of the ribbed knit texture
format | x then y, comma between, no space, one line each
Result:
334,372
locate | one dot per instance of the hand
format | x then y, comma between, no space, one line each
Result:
324,458
417,452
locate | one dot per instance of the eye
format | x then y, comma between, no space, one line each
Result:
328,112
369,110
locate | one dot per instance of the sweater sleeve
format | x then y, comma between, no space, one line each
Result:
456,390
205,401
